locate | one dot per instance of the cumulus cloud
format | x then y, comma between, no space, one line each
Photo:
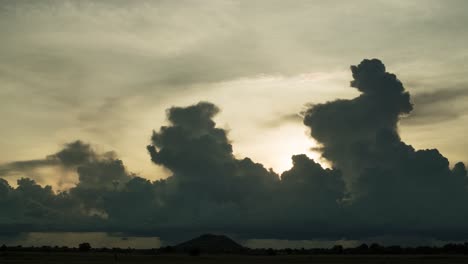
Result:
377,186
392,187
209,186
345,127
33,207
58,169
63,163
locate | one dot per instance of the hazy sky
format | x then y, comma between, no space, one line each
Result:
105,72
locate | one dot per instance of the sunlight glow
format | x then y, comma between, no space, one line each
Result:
276,147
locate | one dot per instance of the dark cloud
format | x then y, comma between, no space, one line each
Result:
209,189
208,182
347,127
62,169
32,207
378,185
308,201
212,190
73,154
392,187
108,173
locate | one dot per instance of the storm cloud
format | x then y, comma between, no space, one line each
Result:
345,128
392,188
377,184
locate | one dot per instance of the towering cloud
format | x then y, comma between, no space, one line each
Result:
392,186
378,185
209,186
210,189
349,129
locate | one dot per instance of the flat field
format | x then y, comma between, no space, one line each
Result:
72,258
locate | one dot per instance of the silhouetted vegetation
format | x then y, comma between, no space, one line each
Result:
219,244
271,252
194,252
363,249
166,250
84,247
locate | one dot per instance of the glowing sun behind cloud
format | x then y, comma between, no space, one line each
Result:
288,139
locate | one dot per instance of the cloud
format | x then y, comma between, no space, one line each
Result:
437,106
64,162
20,166
209,188
345,127
58,169
440,96
378,185
285,118
40,208
392,187
220,188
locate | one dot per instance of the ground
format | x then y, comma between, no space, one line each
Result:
95,258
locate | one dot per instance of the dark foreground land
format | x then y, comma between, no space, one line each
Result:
72,258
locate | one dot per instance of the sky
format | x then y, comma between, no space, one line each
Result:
83,85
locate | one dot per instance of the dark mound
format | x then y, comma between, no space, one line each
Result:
210,243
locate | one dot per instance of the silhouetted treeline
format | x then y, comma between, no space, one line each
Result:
366,249
452,248
84,247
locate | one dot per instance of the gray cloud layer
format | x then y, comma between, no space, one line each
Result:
378,185
438,106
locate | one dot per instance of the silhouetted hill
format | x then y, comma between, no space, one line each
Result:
210,243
